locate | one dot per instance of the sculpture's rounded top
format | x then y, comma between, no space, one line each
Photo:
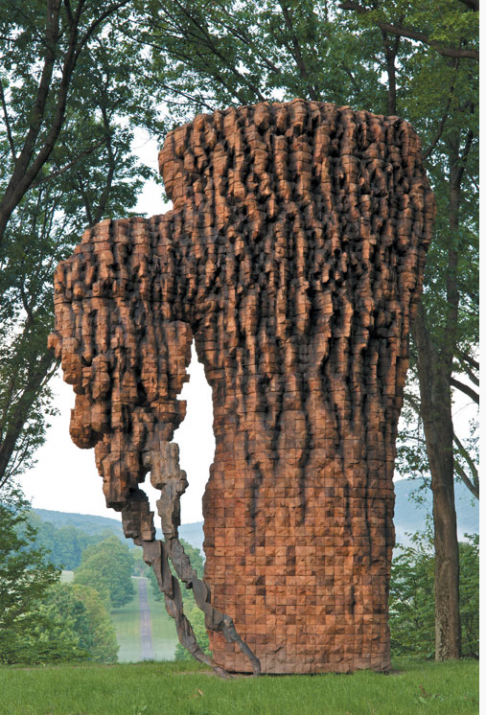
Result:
224,142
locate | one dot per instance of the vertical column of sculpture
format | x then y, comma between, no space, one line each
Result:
294,255
308,226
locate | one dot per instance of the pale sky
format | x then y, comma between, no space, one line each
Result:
65,477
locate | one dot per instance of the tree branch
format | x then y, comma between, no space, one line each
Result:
96,23
431,148
462,473
412,34
313,93
465,389
68,166
208,42
111,170
246,39
413,402
469,372
27,167
35,380
467,358
465,153
465,454
7,123
471,4
85,198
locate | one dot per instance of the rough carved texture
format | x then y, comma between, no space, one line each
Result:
293,256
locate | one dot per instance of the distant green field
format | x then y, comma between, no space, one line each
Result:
127,624
416,688
164,634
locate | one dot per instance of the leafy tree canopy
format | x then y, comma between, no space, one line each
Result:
42,620
25,573
107,567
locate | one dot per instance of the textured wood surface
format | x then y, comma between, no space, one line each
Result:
294,257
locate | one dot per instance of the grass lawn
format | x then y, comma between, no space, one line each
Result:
186,689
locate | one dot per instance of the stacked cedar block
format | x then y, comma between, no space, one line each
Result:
293,257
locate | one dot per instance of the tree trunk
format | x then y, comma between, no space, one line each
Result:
435,365
391,50
436,414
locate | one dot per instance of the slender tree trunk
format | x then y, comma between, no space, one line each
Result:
437,418
391,50
435,364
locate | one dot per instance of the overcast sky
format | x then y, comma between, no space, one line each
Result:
65,478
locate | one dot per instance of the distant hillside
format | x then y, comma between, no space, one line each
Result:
93,525
88,523
409,516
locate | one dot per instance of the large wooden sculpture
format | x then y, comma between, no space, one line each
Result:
293,256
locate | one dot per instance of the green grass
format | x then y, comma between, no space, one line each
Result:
418,688
127,625
164,634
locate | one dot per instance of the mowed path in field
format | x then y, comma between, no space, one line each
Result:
144,631
146,646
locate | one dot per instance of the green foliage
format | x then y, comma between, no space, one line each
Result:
25,575
140,568
196,619
56,636
469,595
68,546
107,567
210,56
73,625
98,636
65,544
412,609
41,620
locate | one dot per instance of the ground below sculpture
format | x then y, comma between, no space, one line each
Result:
294,257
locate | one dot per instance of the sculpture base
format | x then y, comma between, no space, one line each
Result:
301,660
300,556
